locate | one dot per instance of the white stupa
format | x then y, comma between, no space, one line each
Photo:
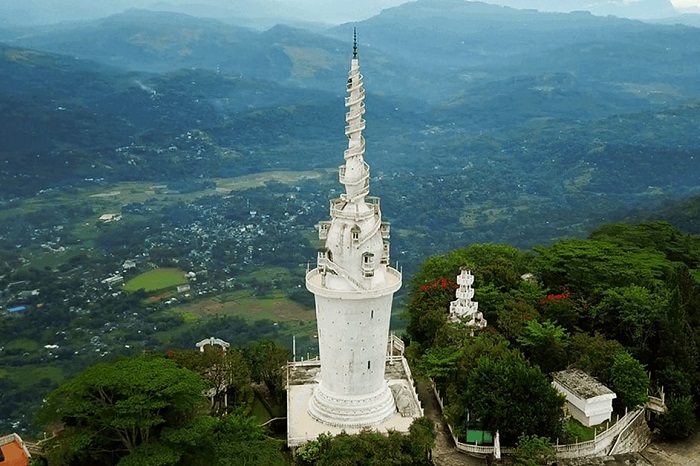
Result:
361,378
463,309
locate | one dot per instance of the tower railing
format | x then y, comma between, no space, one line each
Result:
355,99
338,209
355,151
355,113
371,232
324,263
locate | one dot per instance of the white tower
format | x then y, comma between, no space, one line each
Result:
354,287
463,309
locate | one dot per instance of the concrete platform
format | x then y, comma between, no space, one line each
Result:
303,377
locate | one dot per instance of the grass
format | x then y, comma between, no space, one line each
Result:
23,344
278,308
259,410
156,279
577,432
27,376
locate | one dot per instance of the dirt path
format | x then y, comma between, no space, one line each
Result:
444,453
686,453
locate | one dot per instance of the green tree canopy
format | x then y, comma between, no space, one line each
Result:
112,410
267,361
370,448
511,396
545,344
587,267
629,380
534,451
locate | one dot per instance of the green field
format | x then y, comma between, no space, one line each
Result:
156,279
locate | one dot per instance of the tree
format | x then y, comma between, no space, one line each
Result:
427,312
267,362
371,448
587,267
112,410
226,371
679,421
545,344
634,312
658,236
511,396
629,380
534,451
239,439
594,354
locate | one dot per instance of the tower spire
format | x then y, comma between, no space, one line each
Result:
354,43
355,173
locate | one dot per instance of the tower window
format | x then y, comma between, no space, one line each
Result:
371,314
369,364
368,264
355,233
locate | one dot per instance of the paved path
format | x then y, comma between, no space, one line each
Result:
444,453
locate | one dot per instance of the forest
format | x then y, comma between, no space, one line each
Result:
623,305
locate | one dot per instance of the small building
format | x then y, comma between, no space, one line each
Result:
110,218
588,401
16,309
113,280
13,452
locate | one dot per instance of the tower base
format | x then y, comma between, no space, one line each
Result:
352,411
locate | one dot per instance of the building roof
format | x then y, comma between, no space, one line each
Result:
13,454
581,384
16,309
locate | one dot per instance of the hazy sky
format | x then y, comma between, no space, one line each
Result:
329,11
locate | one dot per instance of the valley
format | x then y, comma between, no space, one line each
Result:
123,155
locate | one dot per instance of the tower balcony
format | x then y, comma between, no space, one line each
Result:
385,255
339,209
467,293
386,230
322,261
323,228
465,278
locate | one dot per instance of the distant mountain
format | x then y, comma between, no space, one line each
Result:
140,40
639,9
451,46
688,19
445,78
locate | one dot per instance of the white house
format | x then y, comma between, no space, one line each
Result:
588,401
